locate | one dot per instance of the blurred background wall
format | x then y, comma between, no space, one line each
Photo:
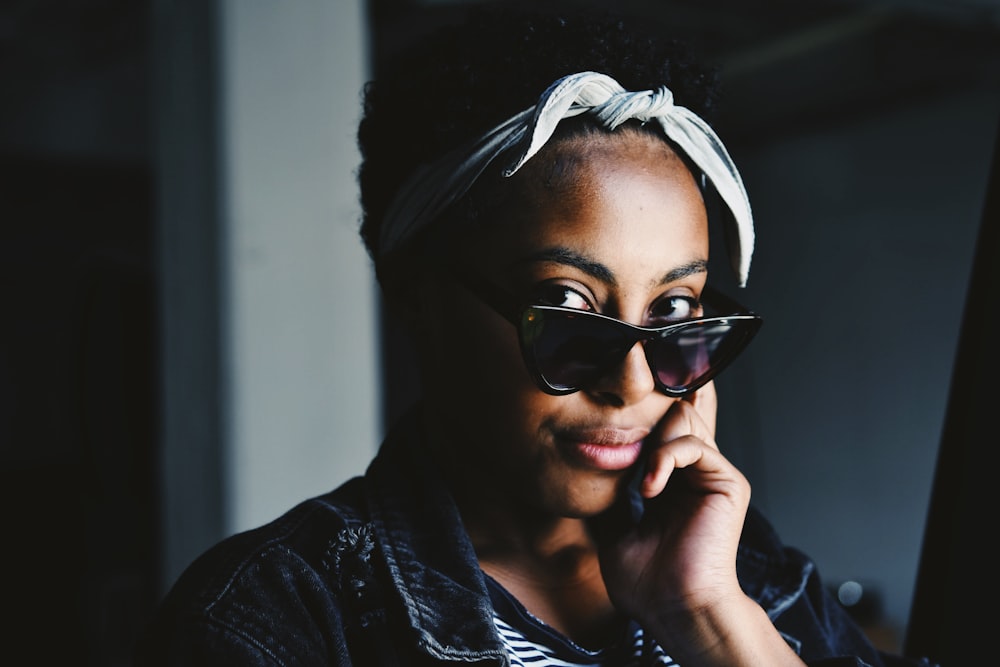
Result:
269,366
192,339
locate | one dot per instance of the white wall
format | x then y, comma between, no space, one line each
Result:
268,301
300,332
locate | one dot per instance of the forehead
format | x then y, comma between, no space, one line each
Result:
626,197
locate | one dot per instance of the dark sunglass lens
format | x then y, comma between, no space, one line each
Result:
567,350
687,357
571,349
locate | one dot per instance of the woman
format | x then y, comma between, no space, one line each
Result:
536,193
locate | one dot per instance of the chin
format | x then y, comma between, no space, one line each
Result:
585,507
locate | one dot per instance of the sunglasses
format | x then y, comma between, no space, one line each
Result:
566,349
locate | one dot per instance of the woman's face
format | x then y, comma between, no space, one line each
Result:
614,224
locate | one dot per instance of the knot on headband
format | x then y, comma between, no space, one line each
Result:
643,106
430,190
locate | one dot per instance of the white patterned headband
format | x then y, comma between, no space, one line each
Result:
434,187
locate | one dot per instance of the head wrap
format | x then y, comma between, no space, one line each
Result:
433,187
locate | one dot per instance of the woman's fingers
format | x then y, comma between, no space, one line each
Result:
685,440
709,470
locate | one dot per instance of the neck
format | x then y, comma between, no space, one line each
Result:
547,561
549,564
511,535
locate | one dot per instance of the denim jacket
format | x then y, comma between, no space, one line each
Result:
380,572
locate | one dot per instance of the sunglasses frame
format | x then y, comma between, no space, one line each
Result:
518,314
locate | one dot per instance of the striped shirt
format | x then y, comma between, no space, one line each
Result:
531,643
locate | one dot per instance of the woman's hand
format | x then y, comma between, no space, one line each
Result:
682,554
675,571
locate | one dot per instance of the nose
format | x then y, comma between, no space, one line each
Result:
628,382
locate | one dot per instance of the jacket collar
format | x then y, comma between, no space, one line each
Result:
429,556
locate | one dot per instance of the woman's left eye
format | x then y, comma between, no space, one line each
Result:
676,308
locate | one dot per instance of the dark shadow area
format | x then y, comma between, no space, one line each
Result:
78,343
951,619
77,408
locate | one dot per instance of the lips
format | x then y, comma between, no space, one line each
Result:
604,449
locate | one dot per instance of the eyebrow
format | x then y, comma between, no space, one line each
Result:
685,270
563,255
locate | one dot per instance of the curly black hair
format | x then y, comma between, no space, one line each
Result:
467,78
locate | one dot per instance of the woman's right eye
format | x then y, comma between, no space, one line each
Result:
555,294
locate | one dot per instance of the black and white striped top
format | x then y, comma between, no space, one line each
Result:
532,643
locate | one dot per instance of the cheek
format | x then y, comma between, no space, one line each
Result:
477,385
471,359
496,425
